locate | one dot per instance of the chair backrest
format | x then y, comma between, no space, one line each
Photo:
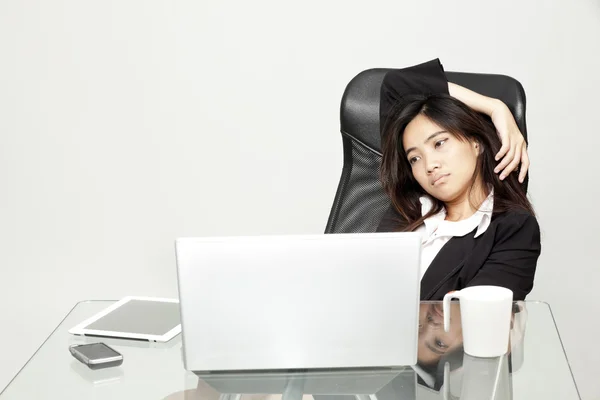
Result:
360,201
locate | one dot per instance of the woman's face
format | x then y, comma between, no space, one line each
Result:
434,341
441,163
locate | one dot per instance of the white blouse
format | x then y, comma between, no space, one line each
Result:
436,231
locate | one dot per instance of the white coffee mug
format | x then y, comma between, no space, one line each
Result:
485,319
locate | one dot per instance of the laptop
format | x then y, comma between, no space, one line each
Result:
294,302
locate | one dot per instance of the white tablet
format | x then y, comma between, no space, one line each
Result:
145,318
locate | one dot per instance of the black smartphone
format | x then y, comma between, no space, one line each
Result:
96,355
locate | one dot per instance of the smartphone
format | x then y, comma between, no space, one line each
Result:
96,355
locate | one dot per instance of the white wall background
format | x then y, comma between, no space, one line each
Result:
124,124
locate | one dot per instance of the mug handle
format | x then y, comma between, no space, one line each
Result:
446,308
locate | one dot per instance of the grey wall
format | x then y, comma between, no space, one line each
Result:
125,124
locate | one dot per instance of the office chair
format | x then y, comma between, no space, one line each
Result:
360,201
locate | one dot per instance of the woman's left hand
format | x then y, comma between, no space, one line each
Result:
514,149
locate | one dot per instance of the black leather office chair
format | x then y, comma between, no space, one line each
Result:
360,201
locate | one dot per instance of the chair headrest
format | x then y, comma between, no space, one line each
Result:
359,113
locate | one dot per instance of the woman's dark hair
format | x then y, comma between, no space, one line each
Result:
465,124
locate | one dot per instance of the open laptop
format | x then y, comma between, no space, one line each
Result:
299,301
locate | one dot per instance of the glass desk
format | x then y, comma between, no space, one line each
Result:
536,367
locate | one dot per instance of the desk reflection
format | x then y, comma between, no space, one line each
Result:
440,351
443,371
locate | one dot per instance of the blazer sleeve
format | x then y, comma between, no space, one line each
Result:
426,78
513,259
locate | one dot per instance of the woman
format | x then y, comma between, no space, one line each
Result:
439,169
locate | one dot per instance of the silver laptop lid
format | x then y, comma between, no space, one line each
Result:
299,301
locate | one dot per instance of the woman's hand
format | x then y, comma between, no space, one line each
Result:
514,149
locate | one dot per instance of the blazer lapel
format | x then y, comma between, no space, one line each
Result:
446,263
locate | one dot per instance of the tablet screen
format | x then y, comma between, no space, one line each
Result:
140,317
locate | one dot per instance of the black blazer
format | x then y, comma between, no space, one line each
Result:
505,254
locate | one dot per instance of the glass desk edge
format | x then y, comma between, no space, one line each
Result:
113,300
46,340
